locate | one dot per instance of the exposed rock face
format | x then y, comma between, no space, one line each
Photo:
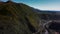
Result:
17,18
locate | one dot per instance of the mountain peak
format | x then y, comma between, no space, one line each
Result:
7,2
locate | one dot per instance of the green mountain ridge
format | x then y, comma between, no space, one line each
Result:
16,18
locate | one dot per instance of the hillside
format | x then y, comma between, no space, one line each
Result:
17,18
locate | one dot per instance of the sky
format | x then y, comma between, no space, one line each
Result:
41,4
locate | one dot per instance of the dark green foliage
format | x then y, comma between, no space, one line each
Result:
5,12
17,18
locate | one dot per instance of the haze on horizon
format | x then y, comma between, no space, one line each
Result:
41,4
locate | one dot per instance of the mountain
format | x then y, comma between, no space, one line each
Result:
17,18
51,15
48,14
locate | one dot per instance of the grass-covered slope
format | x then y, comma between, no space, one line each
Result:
17,18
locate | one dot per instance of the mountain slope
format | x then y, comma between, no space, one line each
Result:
16,18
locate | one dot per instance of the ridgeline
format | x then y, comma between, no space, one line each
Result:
17,18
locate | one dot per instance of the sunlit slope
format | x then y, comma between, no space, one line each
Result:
17,18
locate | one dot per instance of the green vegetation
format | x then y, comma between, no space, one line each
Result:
17,18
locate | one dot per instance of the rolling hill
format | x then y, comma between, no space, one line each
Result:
17,18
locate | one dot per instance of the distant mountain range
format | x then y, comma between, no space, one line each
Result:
46,12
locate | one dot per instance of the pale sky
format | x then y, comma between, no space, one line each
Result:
41,4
